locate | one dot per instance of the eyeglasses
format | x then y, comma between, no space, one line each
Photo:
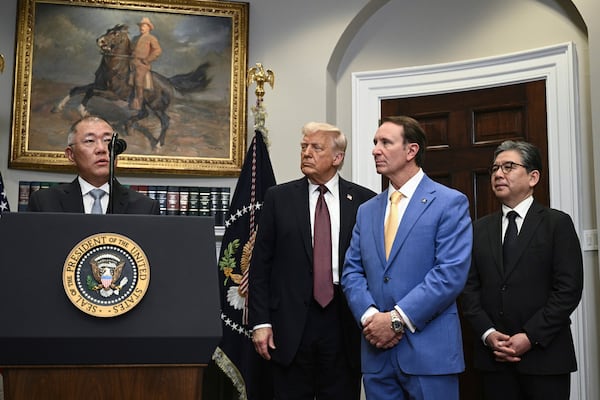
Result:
506,167
91,142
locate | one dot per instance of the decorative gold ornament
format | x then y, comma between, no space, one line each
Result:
260,75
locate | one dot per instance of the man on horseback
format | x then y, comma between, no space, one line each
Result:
146,49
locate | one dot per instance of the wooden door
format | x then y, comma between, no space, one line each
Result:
463,129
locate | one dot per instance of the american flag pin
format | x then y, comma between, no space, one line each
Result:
349,196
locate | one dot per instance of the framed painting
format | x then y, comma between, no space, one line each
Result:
185,113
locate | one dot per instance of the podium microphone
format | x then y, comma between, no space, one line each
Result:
119,145
115,147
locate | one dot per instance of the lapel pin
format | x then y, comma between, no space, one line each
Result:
349,196
423,200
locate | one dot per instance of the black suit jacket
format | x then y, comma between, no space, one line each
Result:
280,289
67,197
536,295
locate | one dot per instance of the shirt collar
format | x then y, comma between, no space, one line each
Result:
86,187
332,185
520,208
409,188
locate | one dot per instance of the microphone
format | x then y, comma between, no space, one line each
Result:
115,147
119,145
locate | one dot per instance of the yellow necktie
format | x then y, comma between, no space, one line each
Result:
391,223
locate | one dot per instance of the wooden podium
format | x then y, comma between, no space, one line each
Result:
108,382
50,349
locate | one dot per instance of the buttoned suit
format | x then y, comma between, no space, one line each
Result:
67,197
281,279
425,272
535,295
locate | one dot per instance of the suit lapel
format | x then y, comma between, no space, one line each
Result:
301,210
72,200
494,238
419,202
121,198
530,225
378,225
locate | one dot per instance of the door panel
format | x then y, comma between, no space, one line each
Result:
463,129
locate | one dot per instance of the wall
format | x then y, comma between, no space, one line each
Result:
314,47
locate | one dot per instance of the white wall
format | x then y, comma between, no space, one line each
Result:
315,45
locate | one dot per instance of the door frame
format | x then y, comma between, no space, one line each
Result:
557,65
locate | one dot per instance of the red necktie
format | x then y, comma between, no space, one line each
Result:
322,276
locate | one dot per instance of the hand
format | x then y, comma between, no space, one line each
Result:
262,339
508,348
378,331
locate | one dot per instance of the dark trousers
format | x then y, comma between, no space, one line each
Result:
510,384
320,369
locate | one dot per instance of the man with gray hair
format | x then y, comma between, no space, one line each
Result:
87,149
526,279
301,321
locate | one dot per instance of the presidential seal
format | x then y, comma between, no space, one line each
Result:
106,275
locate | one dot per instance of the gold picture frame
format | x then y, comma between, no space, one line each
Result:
61,58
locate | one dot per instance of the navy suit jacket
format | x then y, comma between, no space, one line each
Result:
424,274
536,295
281,280
67,197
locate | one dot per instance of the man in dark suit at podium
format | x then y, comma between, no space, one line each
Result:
312,341
88,150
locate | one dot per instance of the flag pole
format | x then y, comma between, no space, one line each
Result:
235,356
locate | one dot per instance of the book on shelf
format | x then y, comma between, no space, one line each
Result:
172,200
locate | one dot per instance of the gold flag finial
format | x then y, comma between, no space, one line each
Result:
260,75
1,62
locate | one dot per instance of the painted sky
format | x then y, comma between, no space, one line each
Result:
65,40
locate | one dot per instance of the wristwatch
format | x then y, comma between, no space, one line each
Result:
397,323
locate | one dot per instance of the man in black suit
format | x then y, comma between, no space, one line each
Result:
87,149
519,299
314,345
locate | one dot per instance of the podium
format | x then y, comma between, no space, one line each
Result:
155,349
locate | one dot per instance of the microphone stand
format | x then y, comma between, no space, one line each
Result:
111,174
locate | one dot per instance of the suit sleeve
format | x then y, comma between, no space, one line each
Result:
470,298
567,284
443,283
34,204
354,280
261,264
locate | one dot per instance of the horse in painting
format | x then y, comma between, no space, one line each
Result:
112,81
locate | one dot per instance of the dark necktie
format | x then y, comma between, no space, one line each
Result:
97,194
322,276
510,240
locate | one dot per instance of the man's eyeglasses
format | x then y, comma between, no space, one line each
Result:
506,167
91,142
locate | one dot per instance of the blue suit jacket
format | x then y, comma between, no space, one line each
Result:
426,271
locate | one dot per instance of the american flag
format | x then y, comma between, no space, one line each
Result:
235,355
4,207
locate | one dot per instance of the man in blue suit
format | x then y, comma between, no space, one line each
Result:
406,301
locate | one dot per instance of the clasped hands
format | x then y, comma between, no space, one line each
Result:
508,348
378,331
